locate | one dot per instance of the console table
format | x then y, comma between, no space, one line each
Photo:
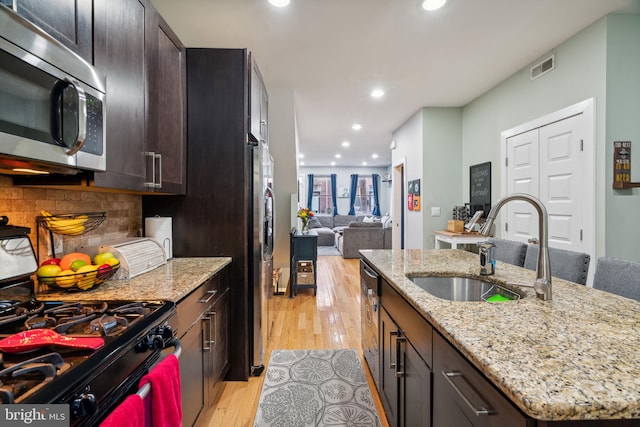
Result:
303,250
455,239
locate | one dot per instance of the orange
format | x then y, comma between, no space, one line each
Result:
66,261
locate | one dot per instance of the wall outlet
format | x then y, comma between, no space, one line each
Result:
435,211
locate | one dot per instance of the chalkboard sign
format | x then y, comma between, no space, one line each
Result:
480,188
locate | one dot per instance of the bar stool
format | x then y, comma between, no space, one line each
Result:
618,276
567,265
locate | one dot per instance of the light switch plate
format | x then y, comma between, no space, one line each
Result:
435,211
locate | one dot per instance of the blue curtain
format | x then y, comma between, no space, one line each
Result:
375,178
334,197
352,195
309,190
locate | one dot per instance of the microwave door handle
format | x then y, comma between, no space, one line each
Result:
82,116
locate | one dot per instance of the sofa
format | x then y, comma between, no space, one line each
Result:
326,226
363,235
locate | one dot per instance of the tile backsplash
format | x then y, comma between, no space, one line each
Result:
22,204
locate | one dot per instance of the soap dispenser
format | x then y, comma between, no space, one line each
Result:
487,263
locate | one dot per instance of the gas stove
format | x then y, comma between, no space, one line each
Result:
45,357
91,381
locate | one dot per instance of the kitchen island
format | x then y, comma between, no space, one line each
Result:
170,282
572,358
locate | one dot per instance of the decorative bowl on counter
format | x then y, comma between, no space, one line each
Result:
79,281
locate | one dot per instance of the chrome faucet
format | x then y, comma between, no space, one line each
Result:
542,285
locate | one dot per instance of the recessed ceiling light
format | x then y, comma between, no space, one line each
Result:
301,163
433,4
345,143
333,163
356,126
301,156
279,3
374,156
377,93
338,155
364,163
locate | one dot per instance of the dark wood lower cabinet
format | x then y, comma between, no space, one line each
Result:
463,397
406,378
202,325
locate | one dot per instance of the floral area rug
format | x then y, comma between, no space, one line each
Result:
315,388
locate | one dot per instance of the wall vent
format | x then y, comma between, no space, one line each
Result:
543,67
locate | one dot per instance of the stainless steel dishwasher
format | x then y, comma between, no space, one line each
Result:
369,315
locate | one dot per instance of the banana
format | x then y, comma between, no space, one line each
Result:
72,227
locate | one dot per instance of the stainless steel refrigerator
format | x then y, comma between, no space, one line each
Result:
263,225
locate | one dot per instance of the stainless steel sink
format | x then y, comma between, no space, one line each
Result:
463,289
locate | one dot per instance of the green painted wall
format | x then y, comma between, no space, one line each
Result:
584,69
622,207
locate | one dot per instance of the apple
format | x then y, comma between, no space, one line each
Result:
51,261
47,273
102,257
104,270
113,261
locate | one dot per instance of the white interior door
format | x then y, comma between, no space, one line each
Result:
547,163
561,180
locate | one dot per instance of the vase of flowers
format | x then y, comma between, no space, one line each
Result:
305,214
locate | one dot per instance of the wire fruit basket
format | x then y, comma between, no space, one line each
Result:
79,281
71,224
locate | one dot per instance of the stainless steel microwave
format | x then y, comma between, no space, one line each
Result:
52,103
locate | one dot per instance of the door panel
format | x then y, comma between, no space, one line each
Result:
546,163
561,181
523,178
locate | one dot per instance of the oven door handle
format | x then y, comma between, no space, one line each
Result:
143,392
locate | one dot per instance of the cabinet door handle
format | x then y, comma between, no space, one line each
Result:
399,340
211,293
481,409
392,365
206,345
215,328
158,184
151,155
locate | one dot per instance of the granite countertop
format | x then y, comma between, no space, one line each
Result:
170,282
572,358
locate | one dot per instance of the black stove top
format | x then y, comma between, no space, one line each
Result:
49,373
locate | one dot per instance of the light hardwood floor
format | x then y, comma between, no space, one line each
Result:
329,320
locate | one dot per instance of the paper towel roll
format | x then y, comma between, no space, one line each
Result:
160,228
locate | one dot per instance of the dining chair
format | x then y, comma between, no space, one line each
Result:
509,251
618,276
568,265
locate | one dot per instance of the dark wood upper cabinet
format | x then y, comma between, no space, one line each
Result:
258,105
68,21
120,54
166,101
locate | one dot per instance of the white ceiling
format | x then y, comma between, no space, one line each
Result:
332,53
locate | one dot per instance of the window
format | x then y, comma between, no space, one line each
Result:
322,202
364,195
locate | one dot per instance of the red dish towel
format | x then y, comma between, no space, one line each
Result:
129,413
166,403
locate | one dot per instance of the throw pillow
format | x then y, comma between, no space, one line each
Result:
385,220
315,223
368,219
